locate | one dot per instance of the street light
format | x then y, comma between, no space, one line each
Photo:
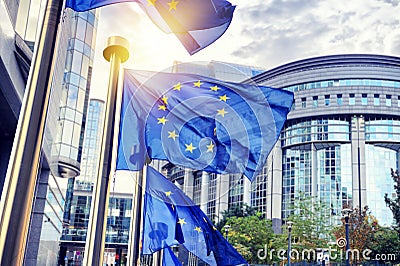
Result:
226,227
289,227
346,216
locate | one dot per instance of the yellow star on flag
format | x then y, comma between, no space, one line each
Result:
214,88
177,87
162,107
224,98
210,147
198,229
168,193
165,99
172,5
222,112
162,120
181,221
172,135
215,131
198,83
151,2
190,147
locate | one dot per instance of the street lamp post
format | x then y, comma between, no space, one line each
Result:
226,227
289,227
346,216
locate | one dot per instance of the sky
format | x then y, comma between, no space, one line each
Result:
263,33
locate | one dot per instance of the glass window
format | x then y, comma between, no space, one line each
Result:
315,101
81,29
72,96
89,34
364,99
81,100
388,100
67,132
398,101
65,150
376,99
352,99
294,105
91,18
339,99
303,102
77,62
327,100
78,45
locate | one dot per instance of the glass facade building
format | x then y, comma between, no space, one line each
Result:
341,139
62,143
342,134
79,197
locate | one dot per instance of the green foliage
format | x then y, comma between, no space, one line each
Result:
385,241
240,210
394,203
249,234
311,227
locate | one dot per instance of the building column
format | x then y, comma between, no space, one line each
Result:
204,191
222,195
37,216
314,171
188,183
274,188
246,191
358,161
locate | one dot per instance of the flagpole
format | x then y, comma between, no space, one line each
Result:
116,52
137,218
23,166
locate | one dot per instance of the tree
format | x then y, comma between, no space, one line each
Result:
311,226
362,228
239,210
385,241
394,204
249,234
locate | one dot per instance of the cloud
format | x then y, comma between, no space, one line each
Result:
392,2
281,31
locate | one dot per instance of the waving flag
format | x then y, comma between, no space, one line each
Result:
196,23
171,218
199,122
169,258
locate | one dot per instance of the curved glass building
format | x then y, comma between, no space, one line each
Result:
342,136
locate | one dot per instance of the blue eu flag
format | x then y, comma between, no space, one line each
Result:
196,23
169,258
199,122
171,218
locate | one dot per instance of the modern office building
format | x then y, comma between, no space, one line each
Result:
79,197
341,139
342,136
65,121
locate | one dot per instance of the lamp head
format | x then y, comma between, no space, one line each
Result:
346,212
289,225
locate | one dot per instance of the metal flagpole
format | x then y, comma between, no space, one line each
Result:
23,167
136,218
116,53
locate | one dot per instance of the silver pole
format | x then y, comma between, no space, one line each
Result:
116,53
